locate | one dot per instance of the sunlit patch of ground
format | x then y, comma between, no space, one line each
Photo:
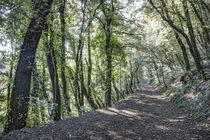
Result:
146,115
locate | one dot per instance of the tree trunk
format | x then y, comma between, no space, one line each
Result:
116,90
184,52
204,28
108,71
34,95
156,70
89,94
74,90
22,80
131,78
197,56
163,77
108,13
79,56
126,85
81,99
98,103
52,66
89,63
43,95
63,49
9,80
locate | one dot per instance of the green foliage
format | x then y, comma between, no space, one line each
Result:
193,97
144,50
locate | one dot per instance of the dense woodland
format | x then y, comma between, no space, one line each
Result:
62,58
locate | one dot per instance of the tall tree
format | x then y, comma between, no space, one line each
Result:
52,66
22,80
79,55
108,11
89,71
10,77
192,38
162,9
63,54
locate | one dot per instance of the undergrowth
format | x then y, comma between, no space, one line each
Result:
193,96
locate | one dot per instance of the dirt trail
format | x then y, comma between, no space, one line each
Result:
146,115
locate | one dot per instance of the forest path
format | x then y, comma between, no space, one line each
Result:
146,115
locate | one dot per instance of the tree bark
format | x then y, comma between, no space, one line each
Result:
108,71
44,95
34,95
10,79
63,49
81,99
204,27
22,80
156,70
89,94
163,77
131,78
197,56
107,29
79,56
52,67
117,91
184,52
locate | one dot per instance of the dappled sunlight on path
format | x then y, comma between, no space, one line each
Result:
146,115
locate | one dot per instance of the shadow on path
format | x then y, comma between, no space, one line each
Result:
146,115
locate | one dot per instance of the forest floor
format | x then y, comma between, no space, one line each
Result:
146,115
